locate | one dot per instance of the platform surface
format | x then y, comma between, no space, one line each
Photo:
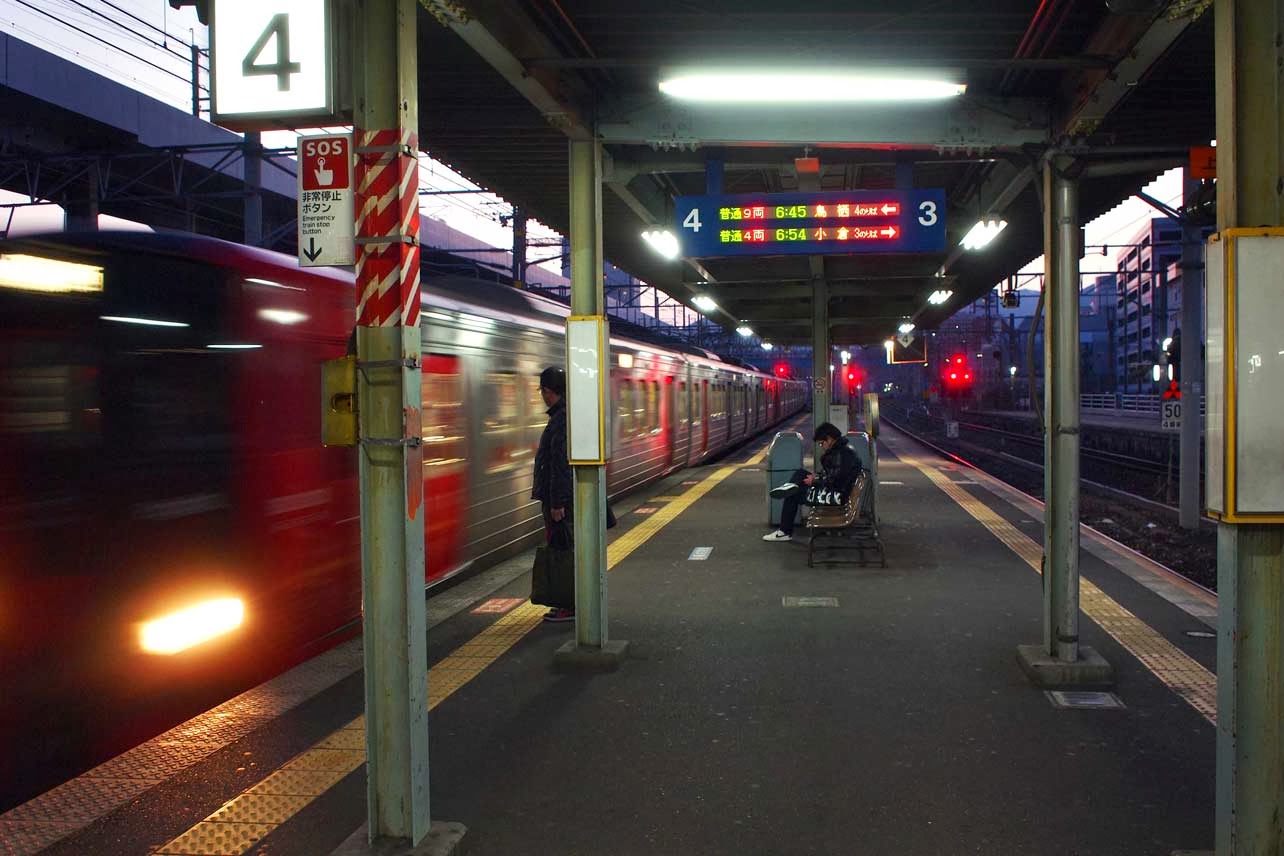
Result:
895,721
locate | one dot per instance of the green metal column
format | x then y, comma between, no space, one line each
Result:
821,388
587,298
1061,397
391,459
1250,558
1060,660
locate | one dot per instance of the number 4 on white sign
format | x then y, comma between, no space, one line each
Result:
279,27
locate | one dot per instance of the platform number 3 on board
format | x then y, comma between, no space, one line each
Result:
272,60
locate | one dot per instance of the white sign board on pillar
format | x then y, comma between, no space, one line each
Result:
1170,415
1244,460
588,354
272,63
326,227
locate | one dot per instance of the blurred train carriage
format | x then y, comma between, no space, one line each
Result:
160,450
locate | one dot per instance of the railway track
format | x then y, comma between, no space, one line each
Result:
1117,512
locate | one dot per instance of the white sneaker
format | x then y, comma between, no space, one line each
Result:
778,535
786,489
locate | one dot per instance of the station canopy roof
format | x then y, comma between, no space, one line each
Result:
1125,85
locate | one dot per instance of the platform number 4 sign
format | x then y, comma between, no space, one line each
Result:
271,62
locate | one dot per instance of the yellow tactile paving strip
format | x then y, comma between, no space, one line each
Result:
241,823
1170,664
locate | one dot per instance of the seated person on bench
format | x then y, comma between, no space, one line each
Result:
840,468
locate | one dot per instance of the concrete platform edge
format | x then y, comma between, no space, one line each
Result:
444,839
572,658
1047,672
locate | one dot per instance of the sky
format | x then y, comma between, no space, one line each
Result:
147,45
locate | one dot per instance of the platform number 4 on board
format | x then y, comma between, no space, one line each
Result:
272,62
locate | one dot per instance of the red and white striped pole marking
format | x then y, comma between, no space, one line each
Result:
387,182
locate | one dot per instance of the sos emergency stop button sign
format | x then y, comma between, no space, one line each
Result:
326,227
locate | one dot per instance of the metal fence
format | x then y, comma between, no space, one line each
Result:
1125,404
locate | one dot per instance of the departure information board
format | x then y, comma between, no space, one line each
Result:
853,221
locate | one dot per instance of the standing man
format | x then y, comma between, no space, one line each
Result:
554,484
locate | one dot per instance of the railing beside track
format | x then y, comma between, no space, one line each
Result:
1122,403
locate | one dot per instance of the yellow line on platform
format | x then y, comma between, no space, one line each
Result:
244,821
1178,671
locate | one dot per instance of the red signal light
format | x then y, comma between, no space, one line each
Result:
967,375
954,375
959,360
851,375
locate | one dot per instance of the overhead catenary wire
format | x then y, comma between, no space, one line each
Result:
184,54
100,39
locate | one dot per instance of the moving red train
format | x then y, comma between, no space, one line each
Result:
162,478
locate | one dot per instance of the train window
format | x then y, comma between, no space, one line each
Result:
637,407
442,415
503,441
536,409
167,391
624,409
683,408
653,407
48,392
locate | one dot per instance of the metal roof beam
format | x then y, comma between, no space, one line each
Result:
498,33
966,123
1099,93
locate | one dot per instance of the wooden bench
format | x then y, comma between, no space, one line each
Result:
848,527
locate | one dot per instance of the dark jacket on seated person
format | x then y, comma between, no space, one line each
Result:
840,467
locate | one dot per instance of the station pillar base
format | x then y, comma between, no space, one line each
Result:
574,658
444,839
1047,672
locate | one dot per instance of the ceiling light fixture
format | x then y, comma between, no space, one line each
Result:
984,232
802,86
704,303
767,346
907,327
663,242
940,296
744,330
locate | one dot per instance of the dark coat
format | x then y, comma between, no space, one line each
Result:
554,483
840,467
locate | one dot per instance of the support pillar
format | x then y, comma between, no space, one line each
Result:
390,456
1061,660
519,247
592,650
1250,557
822,379
1192,366
253,189
81,212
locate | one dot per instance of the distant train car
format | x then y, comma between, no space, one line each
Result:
161,471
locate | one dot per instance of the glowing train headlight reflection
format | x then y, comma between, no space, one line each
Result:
181,630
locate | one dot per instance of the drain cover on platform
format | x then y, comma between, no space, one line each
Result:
1082,700
809,601
699,554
